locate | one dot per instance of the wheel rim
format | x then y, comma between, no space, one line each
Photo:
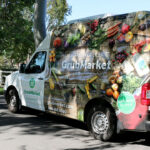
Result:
99,123
13,101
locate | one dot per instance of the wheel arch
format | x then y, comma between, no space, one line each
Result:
8,89
96,101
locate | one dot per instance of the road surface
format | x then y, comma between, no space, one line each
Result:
32,130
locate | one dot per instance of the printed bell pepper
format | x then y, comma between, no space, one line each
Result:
128,36
125,28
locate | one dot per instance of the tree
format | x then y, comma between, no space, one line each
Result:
16,25
16,34
57,10
39,21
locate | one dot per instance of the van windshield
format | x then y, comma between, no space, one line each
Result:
37,64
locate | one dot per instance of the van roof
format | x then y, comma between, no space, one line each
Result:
45,44
89,18
86,19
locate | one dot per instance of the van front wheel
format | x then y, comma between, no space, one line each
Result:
13,101
101,121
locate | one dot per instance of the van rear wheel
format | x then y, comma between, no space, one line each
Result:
101,121
13,101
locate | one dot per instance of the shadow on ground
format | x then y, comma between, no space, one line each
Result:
123,140
35,122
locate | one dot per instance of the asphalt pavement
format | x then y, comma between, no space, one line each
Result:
34,130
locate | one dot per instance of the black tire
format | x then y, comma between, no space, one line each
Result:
101,121
13,101
147,137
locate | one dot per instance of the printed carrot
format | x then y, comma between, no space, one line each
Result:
112,34
114,29
117,29
114,26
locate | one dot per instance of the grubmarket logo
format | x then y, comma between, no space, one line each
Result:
32,83
87,65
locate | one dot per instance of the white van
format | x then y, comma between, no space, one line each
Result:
96,71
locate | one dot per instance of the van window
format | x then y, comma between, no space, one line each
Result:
37,64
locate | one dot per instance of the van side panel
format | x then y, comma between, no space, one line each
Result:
77,70
109,58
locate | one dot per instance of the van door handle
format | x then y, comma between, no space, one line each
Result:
40,78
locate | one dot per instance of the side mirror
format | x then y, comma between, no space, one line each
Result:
22,68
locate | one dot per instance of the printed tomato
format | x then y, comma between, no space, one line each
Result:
125,28
57,42
109,92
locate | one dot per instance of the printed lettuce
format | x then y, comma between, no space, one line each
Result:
130,83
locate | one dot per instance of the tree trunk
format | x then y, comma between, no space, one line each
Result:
39,21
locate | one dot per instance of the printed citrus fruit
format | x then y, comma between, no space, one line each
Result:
115,95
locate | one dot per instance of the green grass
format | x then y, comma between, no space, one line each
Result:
1,91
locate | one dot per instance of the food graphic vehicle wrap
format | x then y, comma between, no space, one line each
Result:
107,58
